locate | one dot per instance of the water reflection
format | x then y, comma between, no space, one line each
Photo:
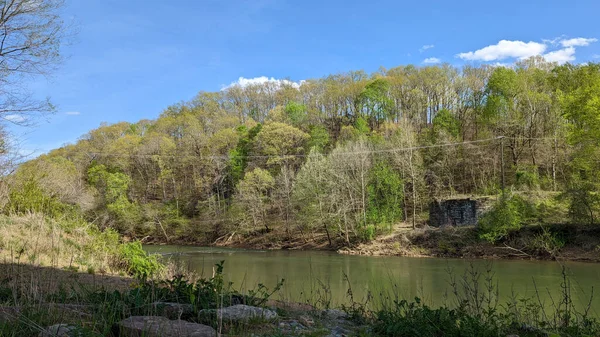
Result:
308,274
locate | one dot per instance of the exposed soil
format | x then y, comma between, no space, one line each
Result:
580,243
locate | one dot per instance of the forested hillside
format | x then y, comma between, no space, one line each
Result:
345,157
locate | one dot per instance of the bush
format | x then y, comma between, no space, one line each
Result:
528,177
547,242
415,319
136,261
504,217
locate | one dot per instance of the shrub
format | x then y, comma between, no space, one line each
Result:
527,177
547,242
137,262
504,218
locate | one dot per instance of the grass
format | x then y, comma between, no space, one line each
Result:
61,243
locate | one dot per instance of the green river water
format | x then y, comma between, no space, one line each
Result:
313,276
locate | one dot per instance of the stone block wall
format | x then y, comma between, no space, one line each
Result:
455,212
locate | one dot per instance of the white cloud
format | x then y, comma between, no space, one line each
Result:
596,56
502,64
432,60
15,118
561,56
245,82
553,41
73,113
425,47
577,42
505,49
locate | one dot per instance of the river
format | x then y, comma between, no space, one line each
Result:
320,276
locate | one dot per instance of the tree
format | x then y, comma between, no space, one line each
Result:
253,195
579,96
280,144
376,102
385,196
313,195
31,34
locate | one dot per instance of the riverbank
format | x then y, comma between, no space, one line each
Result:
211,307
551,242
531,242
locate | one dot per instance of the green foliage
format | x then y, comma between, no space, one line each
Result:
238,157
445,121
546,243
207,293
319,138
137,262
416,319
114,187
385,196
584,202
504,217
527,177
295,112
361,127
376,101
30,198
280,143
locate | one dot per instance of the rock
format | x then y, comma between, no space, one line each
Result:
306,321
173,310
61,330
339,332
291,326
240,313
333,314
158,326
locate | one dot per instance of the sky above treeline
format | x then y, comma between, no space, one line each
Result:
133,58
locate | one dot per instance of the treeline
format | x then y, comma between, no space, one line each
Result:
344,157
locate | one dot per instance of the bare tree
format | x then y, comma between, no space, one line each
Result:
31,34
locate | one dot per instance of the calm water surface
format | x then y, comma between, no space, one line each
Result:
317,275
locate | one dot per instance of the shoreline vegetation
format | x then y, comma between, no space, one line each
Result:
580,244
44,301
69,276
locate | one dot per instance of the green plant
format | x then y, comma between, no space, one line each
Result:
527,177
504,218
547,242
137,262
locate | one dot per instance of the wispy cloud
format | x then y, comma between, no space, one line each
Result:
73,113
246,82
15,118
432,60
596,56
425,47
577,42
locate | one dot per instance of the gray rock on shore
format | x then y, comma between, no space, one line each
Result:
61,330
240,313
158,326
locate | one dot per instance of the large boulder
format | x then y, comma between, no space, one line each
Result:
239,313
158,326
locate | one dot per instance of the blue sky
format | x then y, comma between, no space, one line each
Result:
133,58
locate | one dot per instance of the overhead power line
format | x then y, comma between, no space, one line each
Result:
410,148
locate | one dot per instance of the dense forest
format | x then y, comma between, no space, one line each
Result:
344,158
